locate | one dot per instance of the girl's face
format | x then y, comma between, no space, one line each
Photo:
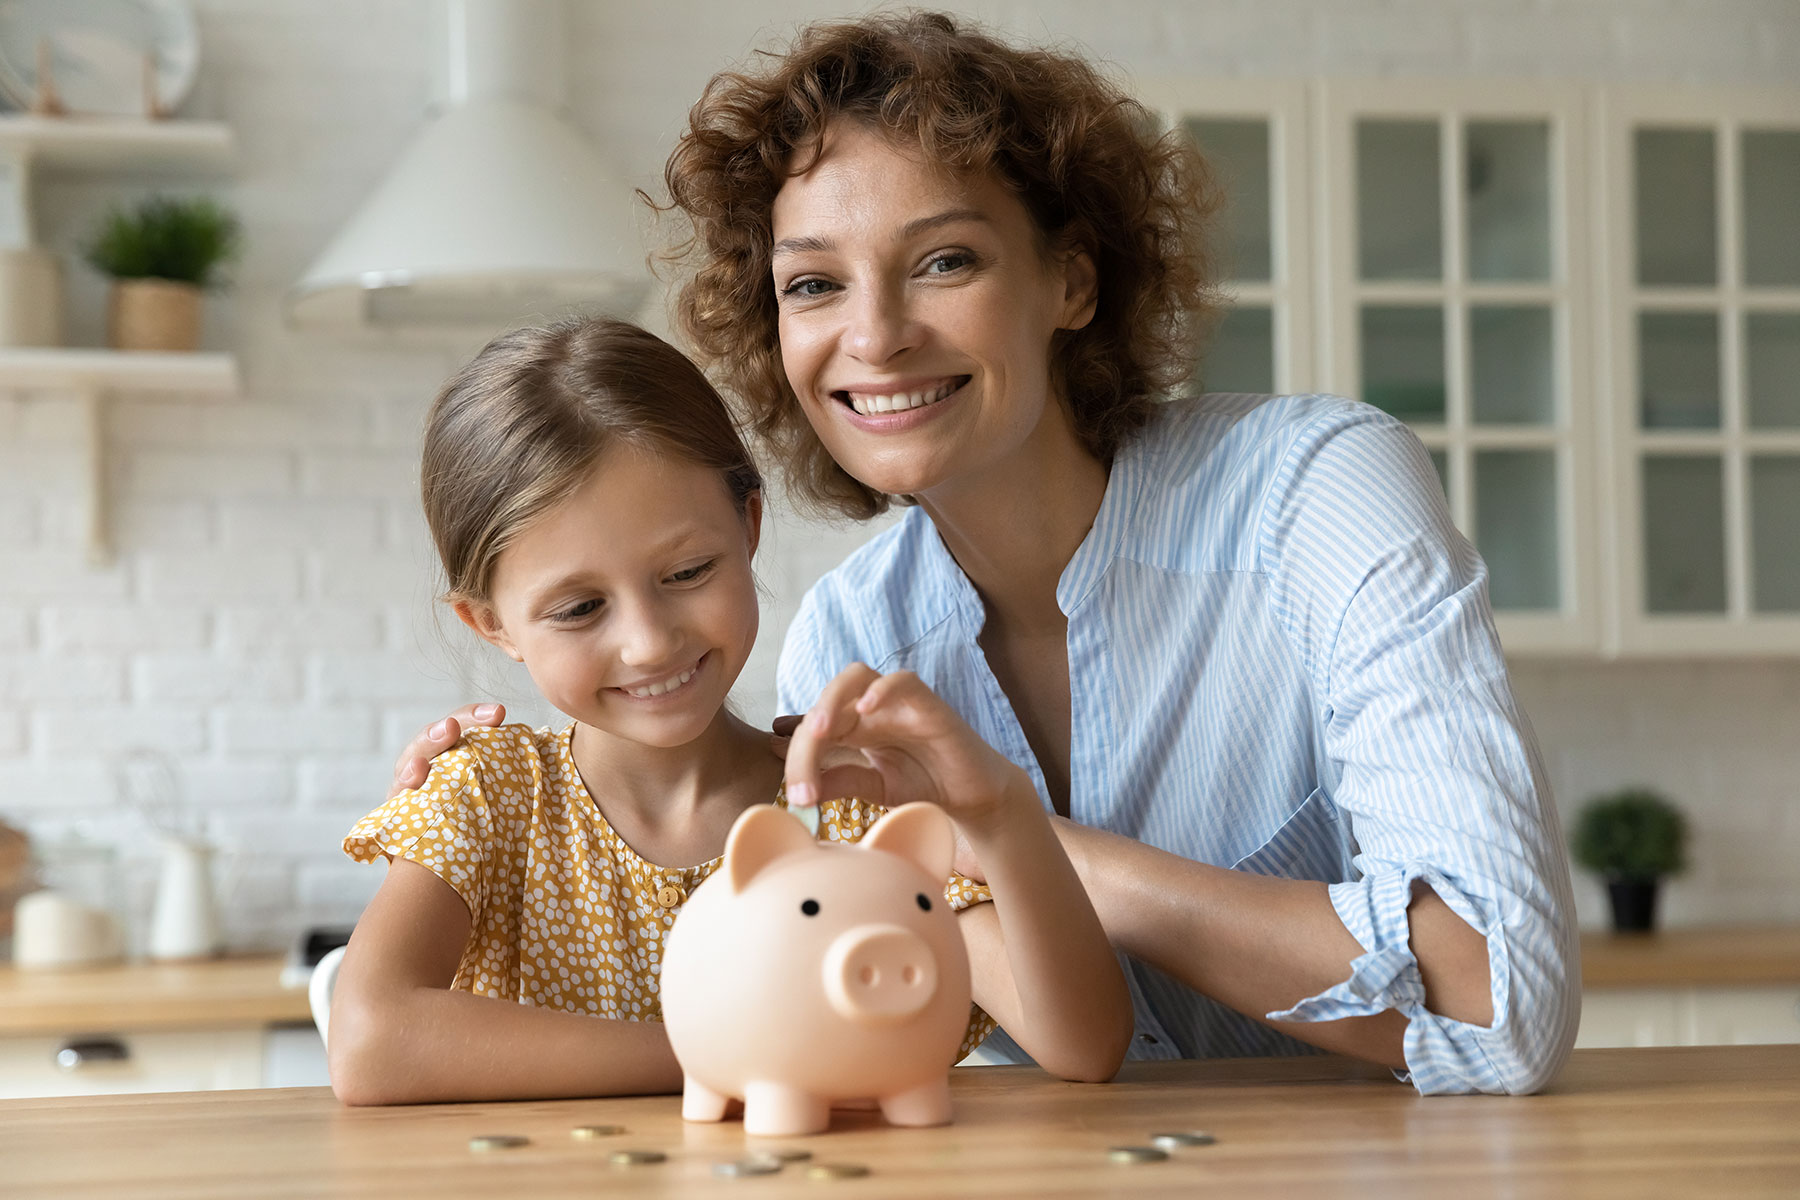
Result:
632,602
916,310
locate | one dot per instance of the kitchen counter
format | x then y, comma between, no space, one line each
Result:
1628,1123
1734,956
148,996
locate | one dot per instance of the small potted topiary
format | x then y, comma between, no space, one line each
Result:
161,256
1631,838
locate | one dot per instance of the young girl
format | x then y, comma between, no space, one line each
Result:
596,515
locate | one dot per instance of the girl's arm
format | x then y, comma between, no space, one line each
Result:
399,1035
1039,958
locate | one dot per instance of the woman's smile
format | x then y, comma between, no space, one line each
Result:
888,402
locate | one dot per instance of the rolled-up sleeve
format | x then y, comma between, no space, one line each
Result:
1426,753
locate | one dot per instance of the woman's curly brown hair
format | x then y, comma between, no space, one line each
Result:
1081,156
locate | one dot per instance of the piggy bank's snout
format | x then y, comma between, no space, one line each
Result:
879,973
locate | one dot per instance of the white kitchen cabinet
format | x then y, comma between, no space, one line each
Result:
1702,224
1689,1016
112,1064
1586,302
1255,138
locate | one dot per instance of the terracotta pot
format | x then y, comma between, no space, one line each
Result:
153,314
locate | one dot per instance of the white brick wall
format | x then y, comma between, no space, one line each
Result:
268,623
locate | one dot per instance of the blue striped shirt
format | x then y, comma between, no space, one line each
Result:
1282,660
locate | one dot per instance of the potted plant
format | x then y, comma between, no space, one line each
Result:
1631,838
162,255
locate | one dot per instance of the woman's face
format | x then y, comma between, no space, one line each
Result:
632,602
916,314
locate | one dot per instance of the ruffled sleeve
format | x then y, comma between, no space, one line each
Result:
443,825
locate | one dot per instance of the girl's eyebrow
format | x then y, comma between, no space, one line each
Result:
803,245
581,577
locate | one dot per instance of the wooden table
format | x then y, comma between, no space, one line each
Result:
1716,1121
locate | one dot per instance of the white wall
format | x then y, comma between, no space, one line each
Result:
268,622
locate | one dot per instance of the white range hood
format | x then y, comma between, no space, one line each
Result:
498,209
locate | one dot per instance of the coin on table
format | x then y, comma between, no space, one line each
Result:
743,1168
498,1141
783,1154
1137,1154
589,1132
636,1158
836,1171
1175,1141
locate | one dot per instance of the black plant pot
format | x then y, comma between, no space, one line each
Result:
1633,904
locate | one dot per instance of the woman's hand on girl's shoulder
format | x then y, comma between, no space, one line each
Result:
414,763
918,745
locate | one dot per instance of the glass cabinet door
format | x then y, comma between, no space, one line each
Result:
1707,280
1253,138
1453,304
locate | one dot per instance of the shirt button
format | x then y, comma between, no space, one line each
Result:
668,896
1147,1038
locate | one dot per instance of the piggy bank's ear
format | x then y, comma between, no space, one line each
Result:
919,833
759,837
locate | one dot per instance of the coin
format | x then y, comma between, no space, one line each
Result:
1175,1141
786,1154
1136,1154
807,815
589,1132
744,1167
824,1171
498,1141
636,1158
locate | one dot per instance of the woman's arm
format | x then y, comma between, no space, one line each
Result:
399,1035
1039,958
1260,944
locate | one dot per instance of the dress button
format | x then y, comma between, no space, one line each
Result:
668,896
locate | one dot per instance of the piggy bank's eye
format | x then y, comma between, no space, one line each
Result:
924,902
810,907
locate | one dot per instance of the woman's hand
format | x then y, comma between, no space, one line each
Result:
915,743
414,763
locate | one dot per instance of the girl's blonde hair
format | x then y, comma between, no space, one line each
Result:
518,430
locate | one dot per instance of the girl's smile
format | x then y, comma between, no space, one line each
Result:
665,687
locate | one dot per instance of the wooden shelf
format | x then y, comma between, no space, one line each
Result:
117,371
94,378
116,143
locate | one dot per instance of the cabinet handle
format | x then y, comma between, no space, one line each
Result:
88,1052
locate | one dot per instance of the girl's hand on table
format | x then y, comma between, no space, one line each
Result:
414,763
917,745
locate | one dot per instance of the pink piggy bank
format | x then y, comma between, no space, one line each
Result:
806,973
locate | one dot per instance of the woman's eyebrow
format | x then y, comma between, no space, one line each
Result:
912,229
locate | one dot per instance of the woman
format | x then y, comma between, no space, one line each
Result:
1235,640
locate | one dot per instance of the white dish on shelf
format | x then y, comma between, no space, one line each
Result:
97,50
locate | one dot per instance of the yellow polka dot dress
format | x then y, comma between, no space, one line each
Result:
563,913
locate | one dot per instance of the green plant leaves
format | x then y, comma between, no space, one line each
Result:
1632,834
163,238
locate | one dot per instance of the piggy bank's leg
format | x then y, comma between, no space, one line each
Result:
777,1110
701,1103
926,1105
